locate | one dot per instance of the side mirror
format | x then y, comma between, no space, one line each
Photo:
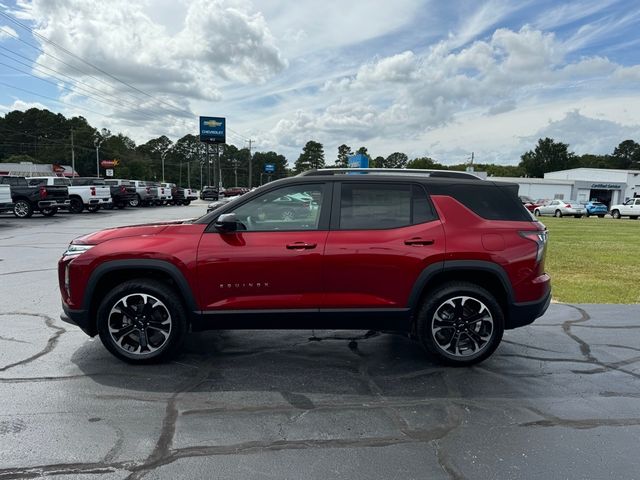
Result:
227,222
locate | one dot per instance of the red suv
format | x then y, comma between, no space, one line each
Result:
448,258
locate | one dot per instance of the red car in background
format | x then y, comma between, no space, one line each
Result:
529,203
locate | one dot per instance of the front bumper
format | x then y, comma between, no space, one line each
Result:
79,318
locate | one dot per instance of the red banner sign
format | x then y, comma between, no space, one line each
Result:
108,163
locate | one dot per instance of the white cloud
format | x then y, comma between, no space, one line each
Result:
22,106
7,32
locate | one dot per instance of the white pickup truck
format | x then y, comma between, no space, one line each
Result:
630,208
6,205
84,192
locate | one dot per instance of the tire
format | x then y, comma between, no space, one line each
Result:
109,206
93,208
471,300
616,214
600,216
633,217
22,209
186,203
536,212
76,205
49,212
578,216
587,214
120,206
135,201
160,311
557,214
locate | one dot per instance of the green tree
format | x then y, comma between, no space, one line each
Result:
312,157
424,163
548,156
627,155
344,152
377,162
396,160
260,159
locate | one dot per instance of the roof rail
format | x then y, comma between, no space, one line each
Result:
392,171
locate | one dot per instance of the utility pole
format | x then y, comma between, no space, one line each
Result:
188,175
97,143
250,165
162,155
219,166
73,159
208,167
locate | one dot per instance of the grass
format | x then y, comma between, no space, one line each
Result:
594,260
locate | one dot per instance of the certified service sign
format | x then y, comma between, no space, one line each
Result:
212,129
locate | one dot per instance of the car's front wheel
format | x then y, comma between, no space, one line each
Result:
558,214
460,324
141,321
22,209
616,214
536,212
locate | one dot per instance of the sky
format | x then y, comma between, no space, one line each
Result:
430,78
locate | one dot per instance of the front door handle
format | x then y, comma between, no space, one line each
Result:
418,241
301,246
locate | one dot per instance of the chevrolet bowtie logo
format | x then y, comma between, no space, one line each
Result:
212,123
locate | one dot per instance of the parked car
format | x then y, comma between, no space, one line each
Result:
122,191
180,195
560,208
190,195
146,194
234,191
451,261
528,203
218,203
6,204
102,190
163,194
81,194
209,193
28,199
595,208
630,208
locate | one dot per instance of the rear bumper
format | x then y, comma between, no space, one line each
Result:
525,313
79,318
54,203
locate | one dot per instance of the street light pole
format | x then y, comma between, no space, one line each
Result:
97,143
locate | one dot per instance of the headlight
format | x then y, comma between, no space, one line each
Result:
75,250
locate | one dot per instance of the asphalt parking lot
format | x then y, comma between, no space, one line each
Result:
559,399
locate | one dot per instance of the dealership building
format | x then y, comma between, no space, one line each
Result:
608,186
29,169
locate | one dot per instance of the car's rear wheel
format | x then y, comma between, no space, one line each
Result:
22,209
76,205
49,212
141,321
186,202
93,208
135,201
558,214
615,214
460,324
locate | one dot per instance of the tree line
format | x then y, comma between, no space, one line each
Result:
40,136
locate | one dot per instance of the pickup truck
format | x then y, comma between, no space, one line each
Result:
84,193
146,194
180,195
630,208
6,205
122,191
43,198
163,193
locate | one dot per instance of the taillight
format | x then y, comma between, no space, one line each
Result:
123,189
539,237
93,191
43,192
568,205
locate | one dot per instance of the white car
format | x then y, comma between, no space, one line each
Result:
560,208
6,204
630,208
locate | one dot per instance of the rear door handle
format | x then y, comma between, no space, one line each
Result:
418,241
301,246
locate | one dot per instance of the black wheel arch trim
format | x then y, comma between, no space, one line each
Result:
456,265
140,264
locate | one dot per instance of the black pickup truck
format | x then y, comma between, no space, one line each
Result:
28,199
122,191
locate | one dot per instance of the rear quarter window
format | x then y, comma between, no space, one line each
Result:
488,200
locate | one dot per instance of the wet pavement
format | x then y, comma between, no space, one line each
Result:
558,399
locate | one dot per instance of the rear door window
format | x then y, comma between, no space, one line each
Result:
376,206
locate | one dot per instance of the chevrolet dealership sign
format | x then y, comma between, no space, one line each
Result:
213,129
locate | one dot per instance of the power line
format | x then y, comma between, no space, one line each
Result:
104,72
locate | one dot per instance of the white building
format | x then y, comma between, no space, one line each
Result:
29,169
609,186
